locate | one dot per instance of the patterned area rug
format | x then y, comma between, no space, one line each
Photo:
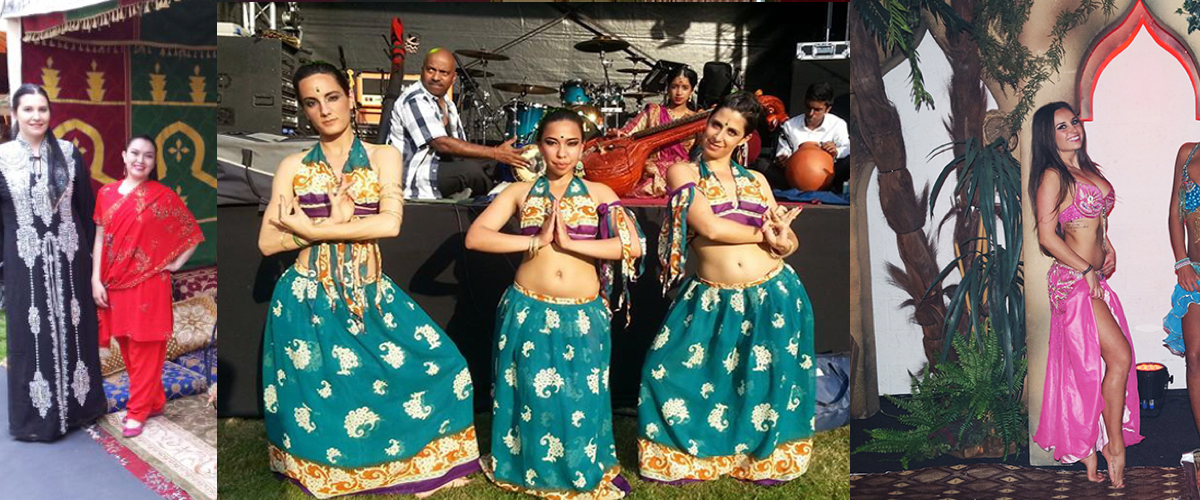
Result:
1010,482
181,444
144,472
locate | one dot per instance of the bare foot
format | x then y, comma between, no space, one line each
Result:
462,481
1092,474
1116,466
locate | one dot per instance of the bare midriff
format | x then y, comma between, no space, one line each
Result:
559,274
732,264
1086,236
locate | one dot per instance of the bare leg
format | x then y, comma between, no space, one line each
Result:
462,481
1118,357
1191,342
1090,463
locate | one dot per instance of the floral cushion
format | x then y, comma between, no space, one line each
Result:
116,389
177,382
193,282
195,361
113,362
194,321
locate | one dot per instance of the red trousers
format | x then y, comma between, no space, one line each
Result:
144,361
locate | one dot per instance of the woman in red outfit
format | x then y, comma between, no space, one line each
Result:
143,233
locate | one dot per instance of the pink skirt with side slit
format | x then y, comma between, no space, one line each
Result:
1071,424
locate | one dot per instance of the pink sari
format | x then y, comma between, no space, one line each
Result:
1071,424
653,183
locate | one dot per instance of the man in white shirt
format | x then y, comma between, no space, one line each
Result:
438,161
815,125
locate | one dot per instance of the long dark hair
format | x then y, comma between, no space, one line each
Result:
60,175
1045,157
692,78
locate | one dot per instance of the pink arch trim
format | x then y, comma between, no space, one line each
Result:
1116,38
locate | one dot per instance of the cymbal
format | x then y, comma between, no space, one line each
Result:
639,95
636,59
478,73
523,88
633,71
479,54
602,43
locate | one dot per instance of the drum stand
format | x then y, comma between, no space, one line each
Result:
516,118
484,115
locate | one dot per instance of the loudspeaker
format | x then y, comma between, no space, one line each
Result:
716,83
254,87
835,72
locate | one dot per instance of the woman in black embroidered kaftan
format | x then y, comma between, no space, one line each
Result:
45,212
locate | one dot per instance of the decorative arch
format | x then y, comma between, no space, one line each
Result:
1116,38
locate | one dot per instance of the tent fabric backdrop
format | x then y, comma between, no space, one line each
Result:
129,79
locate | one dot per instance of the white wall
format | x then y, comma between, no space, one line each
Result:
898,341
1139,123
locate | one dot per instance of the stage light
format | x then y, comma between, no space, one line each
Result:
1152,380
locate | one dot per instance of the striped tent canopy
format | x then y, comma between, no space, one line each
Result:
75,15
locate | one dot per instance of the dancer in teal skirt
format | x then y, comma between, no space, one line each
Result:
362,391
552,426
728,383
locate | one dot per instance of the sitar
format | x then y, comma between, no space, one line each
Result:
618,162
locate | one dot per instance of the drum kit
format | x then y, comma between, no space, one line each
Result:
601,105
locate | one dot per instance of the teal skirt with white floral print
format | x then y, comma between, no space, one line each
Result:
728,383
552,426
354,403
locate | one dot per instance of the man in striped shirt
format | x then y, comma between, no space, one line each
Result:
438,161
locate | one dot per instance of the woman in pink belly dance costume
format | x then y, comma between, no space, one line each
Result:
1090,400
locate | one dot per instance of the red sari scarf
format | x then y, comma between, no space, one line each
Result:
143,232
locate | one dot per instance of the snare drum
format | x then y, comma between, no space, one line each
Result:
521,120
575,92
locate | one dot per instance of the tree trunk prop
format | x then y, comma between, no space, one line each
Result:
879,124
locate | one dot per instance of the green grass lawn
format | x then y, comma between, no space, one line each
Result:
244,473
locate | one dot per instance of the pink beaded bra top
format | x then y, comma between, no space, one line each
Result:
1089,203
